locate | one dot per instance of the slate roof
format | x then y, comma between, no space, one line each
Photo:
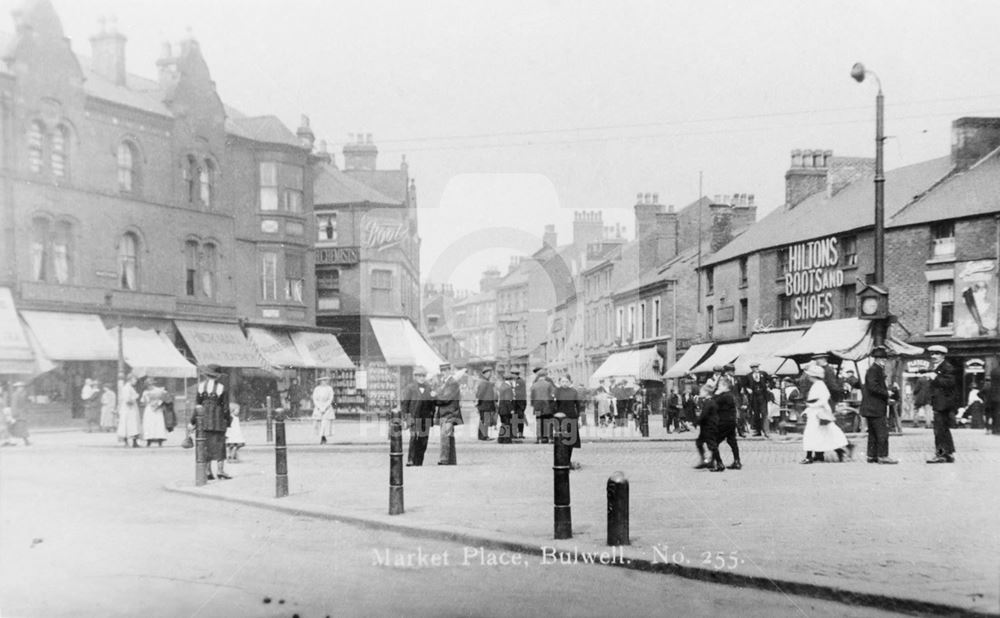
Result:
267,129
975,191
393,183
820,215
333,187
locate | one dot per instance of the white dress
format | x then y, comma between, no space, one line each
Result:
153,425
234,434
129,424
323,413
815,437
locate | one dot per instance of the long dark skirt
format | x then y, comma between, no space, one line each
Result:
215,445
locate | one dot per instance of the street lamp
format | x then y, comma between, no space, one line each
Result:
859,72
508,327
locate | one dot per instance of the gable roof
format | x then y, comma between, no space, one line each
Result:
268,129
975,191
333,187
822,215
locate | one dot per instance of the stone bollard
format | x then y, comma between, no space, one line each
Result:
200,459
562,450
270,420
395,463
280,456
618,509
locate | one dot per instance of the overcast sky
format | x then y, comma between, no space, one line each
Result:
579,105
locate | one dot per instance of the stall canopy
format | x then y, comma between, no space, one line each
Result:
321,350
16,357
761,349
71,336
402,345
150,353
692,357
220,344
849,338
276,347
723,354
638,364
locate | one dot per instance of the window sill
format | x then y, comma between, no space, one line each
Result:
941,259
940,333
849,267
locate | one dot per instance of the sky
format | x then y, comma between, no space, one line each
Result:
512,115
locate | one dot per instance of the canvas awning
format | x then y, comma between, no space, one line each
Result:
321,350
692,357
276,347
761,349
71,336
150,353
639,364
725,353
214,343
16,357
403,346
849,338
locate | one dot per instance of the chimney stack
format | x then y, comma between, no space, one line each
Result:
722,225
807,175
361,154
108,52
549,237
972,139
305,133
588,227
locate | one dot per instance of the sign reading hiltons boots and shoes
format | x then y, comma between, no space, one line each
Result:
811,276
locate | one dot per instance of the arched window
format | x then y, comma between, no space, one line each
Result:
36,138
190,173
60,159
128,177
128,261
62,252
208,266
39,249
206,179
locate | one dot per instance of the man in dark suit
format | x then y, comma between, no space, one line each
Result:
449,403
543,394
994,398
486,404
874,405
520,404
757,398
505,408
944,401
418,410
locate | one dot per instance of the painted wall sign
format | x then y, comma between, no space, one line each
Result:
725,314
811,276
338,255
379,234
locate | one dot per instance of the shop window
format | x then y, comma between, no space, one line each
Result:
128,262
743,272
326,225
943,309
294,277
849,251
269,276
381,290
943,239
128,181
36,140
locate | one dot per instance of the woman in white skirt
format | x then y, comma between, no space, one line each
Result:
234,434
154,429
109,406
129,423
821,432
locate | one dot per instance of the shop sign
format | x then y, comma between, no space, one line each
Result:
725,314
975,365
976,299
811,276
338,255
918,365
378,234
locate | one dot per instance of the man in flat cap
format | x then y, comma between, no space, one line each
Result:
520,404
505,408
486,403
874,407
758,395
418,409
448,398
543,393
944,401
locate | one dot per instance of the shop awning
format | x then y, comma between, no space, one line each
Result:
725,353
276,347
150,353
692,357
849,338
16,357
761,349
639,364
71,336
402,345
321,350
220,344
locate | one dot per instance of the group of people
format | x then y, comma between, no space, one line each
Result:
145,411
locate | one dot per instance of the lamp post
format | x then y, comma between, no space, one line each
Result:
859,72
508,327
109,301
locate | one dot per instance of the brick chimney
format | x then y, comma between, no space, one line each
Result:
515,262
361,153
588,227
490,279
549,237
108,52
807,175
972,139
722,224
305,133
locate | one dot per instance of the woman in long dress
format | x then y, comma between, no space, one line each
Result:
109,404
821,432
323,414
154,428
129,423
90,394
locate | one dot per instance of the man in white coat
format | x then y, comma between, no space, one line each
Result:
323,414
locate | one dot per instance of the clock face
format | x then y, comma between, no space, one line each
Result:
869,306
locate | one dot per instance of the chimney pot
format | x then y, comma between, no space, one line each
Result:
656,198
638,198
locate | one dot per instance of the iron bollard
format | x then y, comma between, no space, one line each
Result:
270,416
562,450
644,422
618,509
395,464
200,463
280,456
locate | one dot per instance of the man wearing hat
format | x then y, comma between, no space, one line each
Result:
757,398
543,393
505,408
944,401
323,414
418,410
520,404
449,403
874,406
486,403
